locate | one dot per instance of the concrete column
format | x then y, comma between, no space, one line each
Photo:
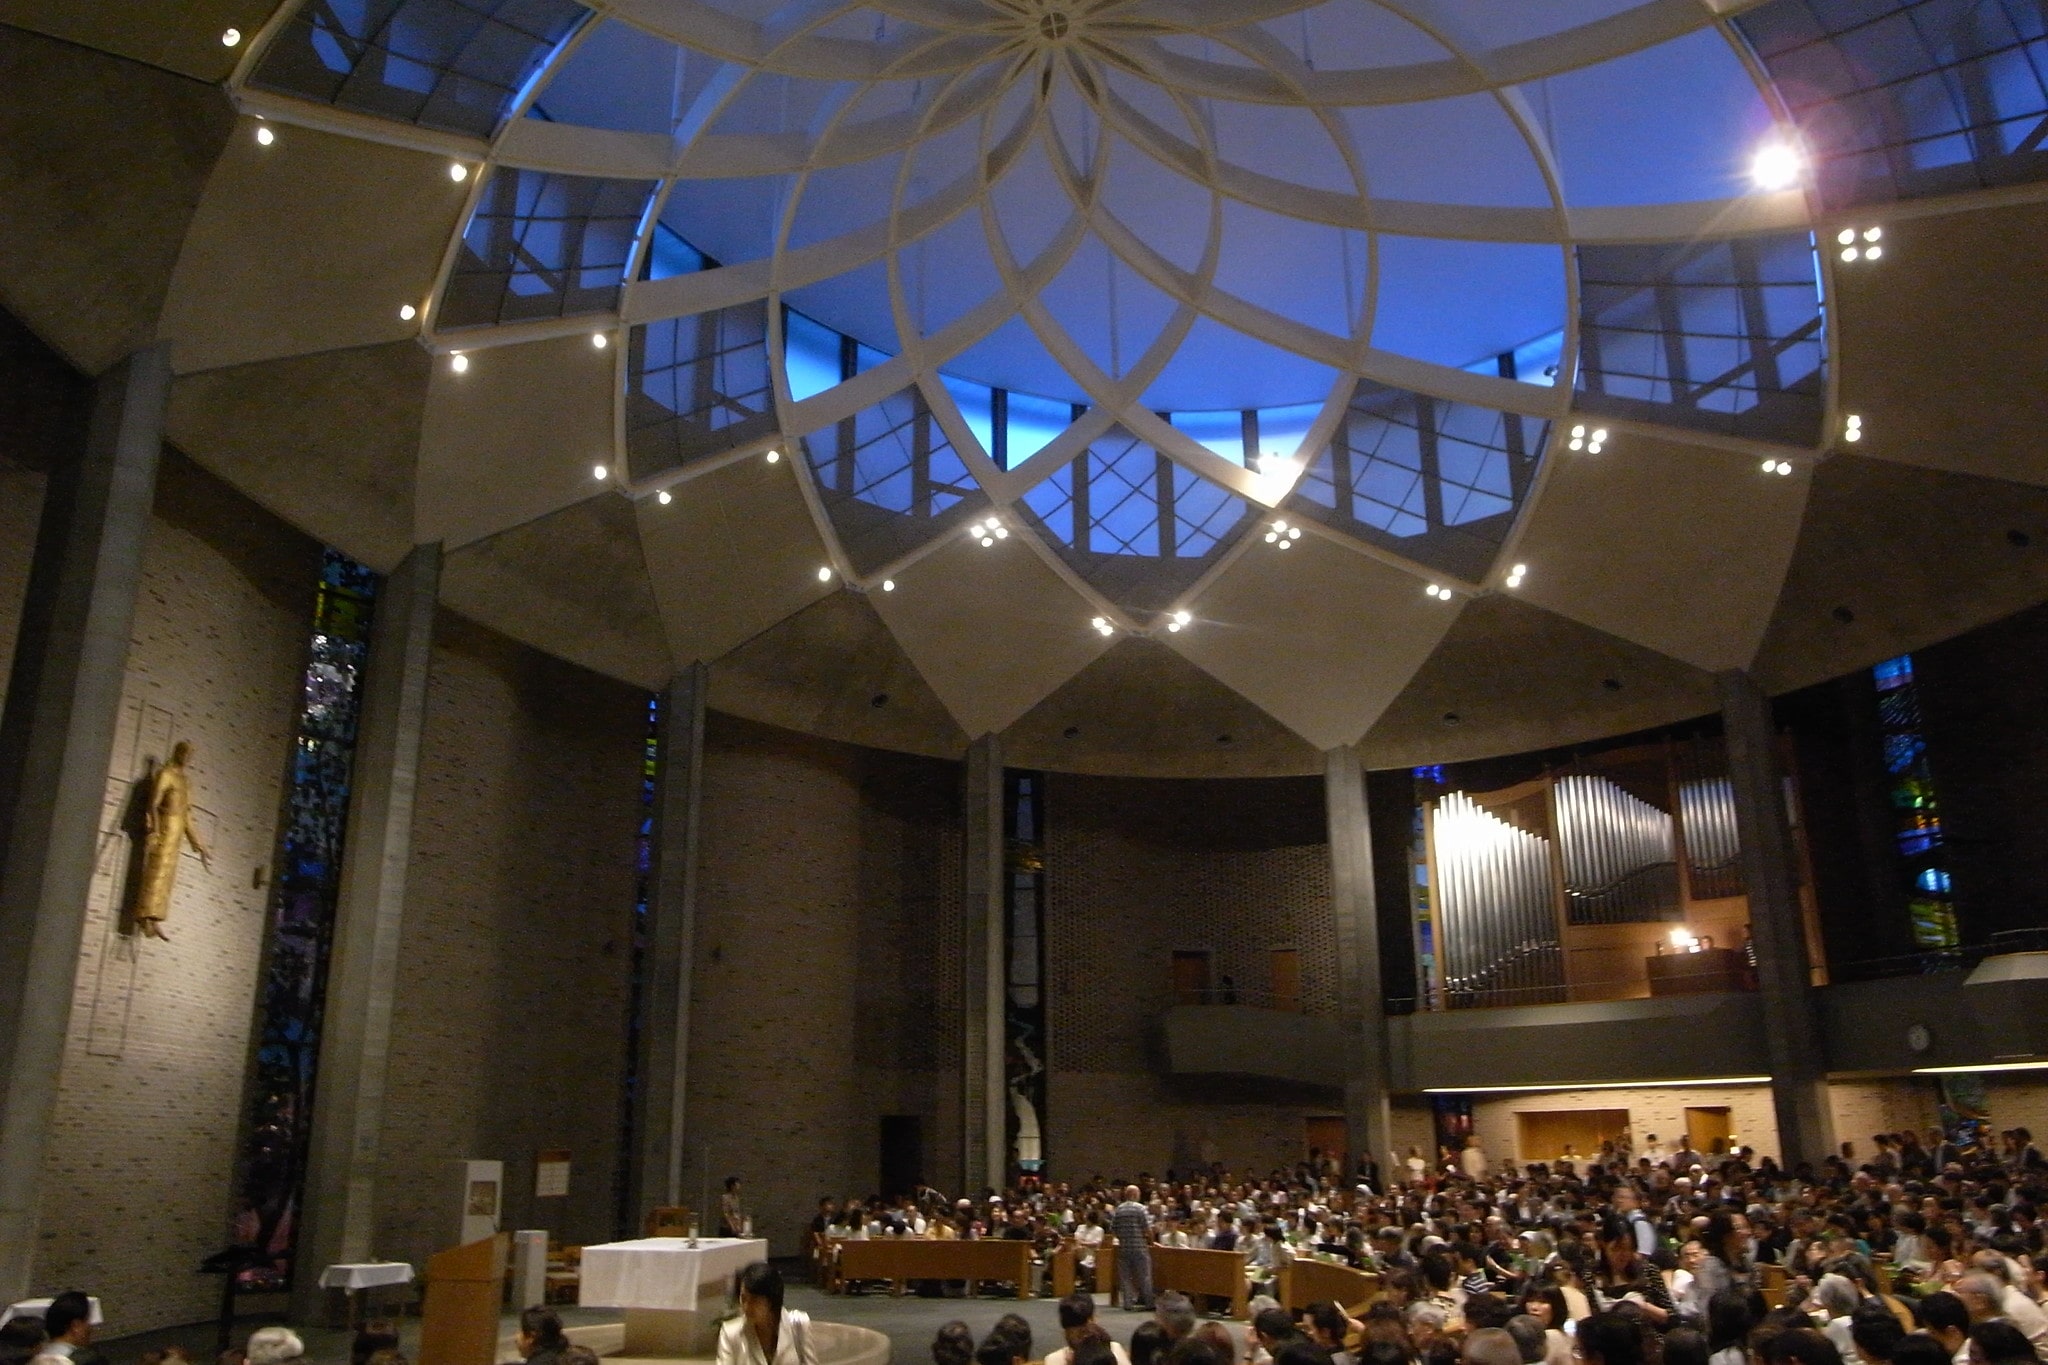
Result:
984,1095
1791,1011
56,740
662,1065
338,1205
1354,905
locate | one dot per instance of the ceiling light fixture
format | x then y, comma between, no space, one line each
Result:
664,497
459,363
1282,534
1852,428
1439,591
1860,245
1594,1085
774,456
824,573
1517,574
1775,466
599,340
457,172
1981,1066
1587,439
888,584
1776,166
1179,621
406,312
989,530
264,137
599,472
1102,626
231,37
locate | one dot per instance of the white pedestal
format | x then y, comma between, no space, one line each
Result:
529,1268
674,1332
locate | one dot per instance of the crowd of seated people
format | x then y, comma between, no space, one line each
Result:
1680,1258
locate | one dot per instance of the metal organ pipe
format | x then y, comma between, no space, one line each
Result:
1619,853
1712,843
1497,923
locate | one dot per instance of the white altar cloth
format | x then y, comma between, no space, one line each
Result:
664,1272
35,1308
365,1275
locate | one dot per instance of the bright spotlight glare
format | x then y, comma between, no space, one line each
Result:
598,472
773,456
1872,234
406,312
664,497
231,37
264,137
1846,236
599,340
824,573
1776,166
1873,252
459,363
888,585
1849,253
457,172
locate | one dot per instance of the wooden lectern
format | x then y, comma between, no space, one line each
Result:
465,1288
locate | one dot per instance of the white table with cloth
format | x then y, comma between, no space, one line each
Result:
673,1292
356,1277
35,1308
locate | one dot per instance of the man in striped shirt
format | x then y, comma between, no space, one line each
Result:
1131,1225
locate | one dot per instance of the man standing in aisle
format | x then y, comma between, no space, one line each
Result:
1131,1225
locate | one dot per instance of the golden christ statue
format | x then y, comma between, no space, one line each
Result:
167,824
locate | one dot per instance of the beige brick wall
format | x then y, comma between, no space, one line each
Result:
1134,871
514,967
826,993
137,1187
1863,1109
1651,1110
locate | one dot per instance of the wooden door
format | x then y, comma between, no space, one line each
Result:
1707,1125
1325,1133
1551,1134
1286,978
1191,977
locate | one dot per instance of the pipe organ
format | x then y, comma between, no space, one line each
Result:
1619,853
1497,923
1713,848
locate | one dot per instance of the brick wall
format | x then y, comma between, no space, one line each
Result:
1660,1111
137,1186
1135,870
514,967
1864,1108
824,990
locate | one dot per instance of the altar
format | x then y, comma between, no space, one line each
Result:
673,1291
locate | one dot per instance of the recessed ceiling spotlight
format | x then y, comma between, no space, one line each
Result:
599,472
1517,574
824,573
664,497
1102,626
1860,244
774,456
1597,439
1439,591
231,37
1183,617
406,312
599,340
1852,428
457,172
264,137
1846,236
1776,166
1872,234
1173,626
459,363
888,585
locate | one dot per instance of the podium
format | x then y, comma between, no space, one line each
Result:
465,1287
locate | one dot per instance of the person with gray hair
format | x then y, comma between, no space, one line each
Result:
2013,1304
275,1346
1131,1225
1490,1346
1175,1315
1530,1338
1835,1298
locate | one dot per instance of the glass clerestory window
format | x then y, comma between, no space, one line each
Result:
1714,336
456,65
1899,99
890,479
1434,480
542,245
697,386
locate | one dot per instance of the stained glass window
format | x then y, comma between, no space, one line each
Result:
1922,842
302,904
636,997
1024,994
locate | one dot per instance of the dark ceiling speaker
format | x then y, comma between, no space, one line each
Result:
1843,614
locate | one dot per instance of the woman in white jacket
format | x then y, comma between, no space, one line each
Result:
765,1333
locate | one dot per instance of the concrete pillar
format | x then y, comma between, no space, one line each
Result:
1354,905
1791,1011
56,740
662,1065
338,1205
984,1095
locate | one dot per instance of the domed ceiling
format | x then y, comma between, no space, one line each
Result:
1171,385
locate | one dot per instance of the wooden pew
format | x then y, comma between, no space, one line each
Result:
1305,1282
897,1259
1219,1274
